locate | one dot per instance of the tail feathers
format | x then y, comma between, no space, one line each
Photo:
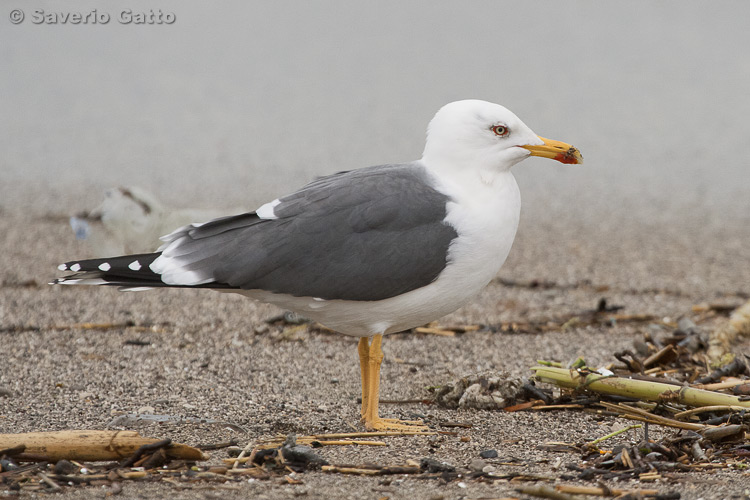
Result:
134,266
126,271
131,272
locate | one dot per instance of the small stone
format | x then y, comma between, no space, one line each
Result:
146,409
432,465
5,392
686,325
65,467
477,465
7,465
488,453
465,439
234,451
300,457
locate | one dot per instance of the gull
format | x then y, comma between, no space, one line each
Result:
365,252
131,219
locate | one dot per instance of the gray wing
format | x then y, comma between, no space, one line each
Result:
367,234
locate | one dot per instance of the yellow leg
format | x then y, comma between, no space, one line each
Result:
370,358
364,366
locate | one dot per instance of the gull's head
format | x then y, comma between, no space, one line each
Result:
485,136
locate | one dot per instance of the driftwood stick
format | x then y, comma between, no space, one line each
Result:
91,446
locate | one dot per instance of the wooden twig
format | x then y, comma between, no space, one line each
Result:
435,331
558,407
348,442
247,449
727,384
704,409
613,434
664,352
644,416
218,446
49,482
279,440
367,470
597,490
350,470
543,491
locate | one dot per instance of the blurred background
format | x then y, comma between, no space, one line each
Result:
235,103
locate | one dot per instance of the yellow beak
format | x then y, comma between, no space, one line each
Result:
556,150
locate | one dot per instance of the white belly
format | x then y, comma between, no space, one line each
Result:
485,218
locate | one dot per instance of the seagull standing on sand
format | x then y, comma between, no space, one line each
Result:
366,252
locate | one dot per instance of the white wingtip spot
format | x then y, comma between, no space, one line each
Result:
104,266
75,267
134,266
62,267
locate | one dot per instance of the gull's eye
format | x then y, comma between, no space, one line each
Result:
500,130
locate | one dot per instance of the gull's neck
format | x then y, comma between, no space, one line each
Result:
470,173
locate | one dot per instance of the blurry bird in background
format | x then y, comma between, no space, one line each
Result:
131,220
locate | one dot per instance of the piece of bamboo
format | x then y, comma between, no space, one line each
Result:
638,389
90,446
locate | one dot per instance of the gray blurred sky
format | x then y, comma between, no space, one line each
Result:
238,102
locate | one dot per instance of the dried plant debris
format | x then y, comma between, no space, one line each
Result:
603,314
483,391
25,469
722,338
667,381
649,460
53,461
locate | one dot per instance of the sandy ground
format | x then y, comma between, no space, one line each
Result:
209,357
